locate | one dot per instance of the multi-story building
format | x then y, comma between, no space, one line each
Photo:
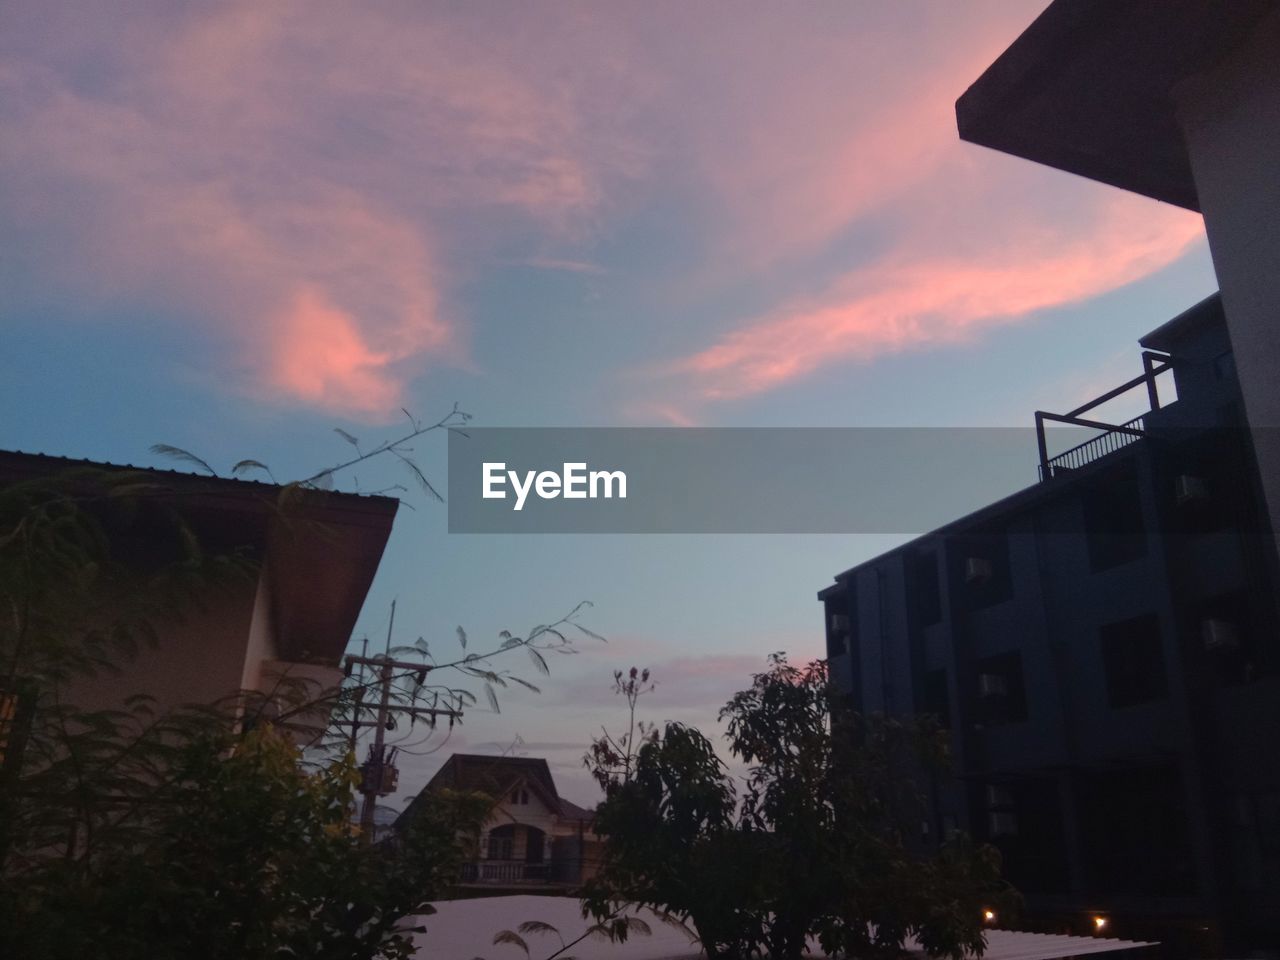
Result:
1103,648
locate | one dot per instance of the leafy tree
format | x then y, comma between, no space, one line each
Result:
815,847
242,852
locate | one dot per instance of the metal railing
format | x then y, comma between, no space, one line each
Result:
1095,448
1113,436
505,871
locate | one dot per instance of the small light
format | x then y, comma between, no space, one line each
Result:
988,915
1099,924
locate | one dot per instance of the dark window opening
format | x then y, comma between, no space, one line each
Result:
842,622
935,697
1024,819
1136,839
1133,661
1227,635
925,589
982,562
501,843
1113,518
1205,485
1001,693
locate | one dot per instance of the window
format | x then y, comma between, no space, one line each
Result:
1113,518
1133,660
925,594
1001,693
1135,834
983,568
842,621
1226,634
520,796
935,698
501,843
1023,818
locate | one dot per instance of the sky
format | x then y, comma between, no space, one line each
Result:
235,227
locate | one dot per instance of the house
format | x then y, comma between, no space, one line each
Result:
532,837
310,558
1103,648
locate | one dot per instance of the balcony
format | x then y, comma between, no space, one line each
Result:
1111,436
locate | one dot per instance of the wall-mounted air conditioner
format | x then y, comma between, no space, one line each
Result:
1219,634
998,797
1002,823
977,570
1189,489
992,685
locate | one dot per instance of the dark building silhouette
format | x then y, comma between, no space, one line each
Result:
1103,649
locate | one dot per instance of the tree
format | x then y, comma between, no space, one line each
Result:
610,757
203,831
817,844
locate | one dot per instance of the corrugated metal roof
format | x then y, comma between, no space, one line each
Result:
49,462
462,929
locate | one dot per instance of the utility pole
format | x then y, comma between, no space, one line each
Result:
379,775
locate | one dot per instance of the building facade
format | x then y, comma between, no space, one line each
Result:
1178,100
1103,650
532,837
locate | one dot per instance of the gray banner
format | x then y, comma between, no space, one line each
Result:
744,480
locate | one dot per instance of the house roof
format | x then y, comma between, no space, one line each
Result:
1089,88
321,548
496,775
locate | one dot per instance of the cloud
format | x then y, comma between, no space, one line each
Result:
915,297
312,189
285,178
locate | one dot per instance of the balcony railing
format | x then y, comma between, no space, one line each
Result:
1095,448
506,871
1113,436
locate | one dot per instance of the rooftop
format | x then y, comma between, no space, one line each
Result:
322,548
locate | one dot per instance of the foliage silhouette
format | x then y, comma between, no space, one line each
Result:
816,847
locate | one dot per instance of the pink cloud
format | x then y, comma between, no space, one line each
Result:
907,301
287,180
311,186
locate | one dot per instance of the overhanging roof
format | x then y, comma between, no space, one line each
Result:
321,548
1087,88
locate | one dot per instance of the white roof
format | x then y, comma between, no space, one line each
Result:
464,929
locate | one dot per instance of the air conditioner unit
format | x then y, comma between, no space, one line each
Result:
1187,489
1002,823
977,570
1219,634
992,685
998,797
839,623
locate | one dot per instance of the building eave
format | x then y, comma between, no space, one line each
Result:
1089,88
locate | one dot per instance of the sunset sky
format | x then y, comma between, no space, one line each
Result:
233,227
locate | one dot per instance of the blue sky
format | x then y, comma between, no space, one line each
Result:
234,228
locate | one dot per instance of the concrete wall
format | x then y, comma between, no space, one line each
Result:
1231,123
200,657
